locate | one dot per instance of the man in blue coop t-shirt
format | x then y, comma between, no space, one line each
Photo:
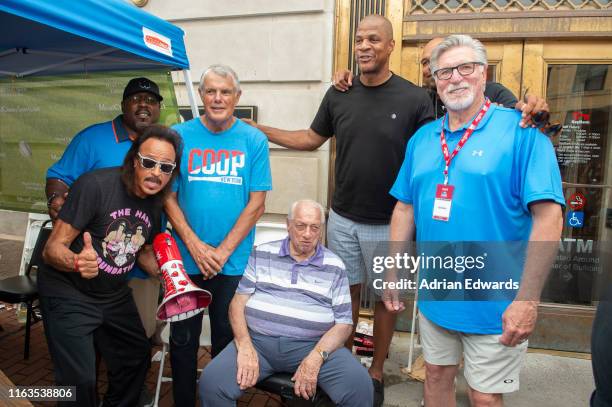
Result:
218,198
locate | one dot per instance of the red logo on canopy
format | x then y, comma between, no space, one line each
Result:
156,42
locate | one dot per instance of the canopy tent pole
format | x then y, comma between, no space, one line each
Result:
66,62
5,53
191,93
102,58
9,52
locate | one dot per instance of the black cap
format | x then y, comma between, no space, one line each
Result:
137,85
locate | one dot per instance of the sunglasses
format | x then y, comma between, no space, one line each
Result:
150,163
541,120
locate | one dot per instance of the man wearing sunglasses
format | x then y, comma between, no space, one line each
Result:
217,199
105,145
477,176
84,296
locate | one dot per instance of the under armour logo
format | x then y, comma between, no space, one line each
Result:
508,381
393,116
144,85
478,153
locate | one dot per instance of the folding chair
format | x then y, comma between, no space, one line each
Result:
165,337
281,384
23,288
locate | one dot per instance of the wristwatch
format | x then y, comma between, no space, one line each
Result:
324,354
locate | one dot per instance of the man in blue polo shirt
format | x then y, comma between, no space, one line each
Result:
478,177
219,196
105,145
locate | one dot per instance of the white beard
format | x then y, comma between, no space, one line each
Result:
458,104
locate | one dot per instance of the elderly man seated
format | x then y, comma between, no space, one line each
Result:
291,313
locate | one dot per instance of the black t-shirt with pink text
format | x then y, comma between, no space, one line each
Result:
119,224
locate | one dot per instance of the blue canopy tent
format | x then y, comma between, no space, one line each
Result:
56,37
43,37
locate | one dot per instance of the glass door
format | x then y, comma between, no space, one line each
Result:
576,79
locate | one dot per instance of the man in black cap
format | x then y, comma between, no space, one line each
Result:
105,145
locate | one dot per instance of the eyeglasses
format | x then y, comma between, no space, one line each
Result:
150,163
301,227
464,69
148,99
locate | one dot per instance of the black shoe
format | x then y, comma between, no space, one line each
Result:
379,392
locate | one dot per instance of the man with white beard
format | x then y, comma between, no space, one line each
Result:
505,187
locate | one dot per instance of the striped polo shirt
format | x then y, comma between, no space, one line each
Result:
295,299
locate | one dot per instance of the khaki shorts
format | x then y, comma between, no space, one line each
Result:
489,366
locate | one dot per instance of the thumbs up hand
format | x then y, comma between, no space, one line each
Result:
86,262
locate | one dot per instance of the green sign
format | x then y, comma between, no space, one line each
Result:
40,115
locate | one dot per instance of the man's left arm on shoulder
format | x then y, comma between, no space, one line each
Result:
306,375
146,261
519,319
529,106
246,221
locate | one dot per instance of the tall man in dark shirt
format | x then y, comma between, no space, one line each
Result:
83,288
372,123
496,92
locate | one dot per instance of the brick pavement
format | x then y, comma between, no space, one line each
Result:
38,370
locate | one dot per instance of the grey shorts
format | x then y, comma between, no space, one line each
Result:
354,243
489,366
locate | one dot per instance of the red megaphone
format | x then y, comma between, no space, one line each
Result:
182,298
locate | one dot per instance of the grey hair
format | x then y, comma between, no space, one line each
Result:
306,202
223,71
454,41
